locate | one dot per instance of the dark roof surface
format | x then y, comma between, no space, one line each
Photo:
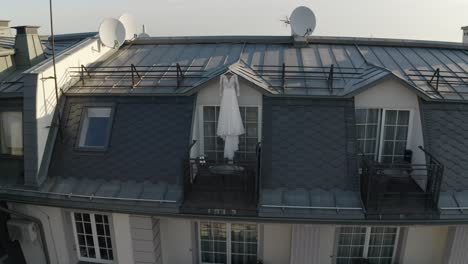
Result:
309,143
446,137
356,63
149,140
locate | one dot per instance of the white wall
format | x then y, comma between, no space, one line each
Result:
276,243
425,245
123,248
176,240
210,95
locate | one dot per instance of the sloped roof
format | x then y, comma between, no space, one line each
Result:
356,62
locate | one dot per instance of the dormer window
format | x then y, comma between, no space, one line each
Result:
95,128
382,134
11,133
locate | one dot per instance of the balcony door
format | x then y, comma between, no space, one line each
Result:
383,134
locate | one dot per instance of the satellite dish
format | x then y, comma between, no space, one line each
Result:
302,21
130,26
112,33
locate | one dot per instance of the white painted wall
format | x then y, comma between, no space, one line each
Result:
425,245
276,243
176,240
90,51
123,248
209,95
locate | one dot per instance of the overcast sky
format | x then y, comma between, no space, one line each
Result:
409,19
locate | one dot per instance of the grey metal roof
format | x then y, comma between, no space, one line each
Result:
307,68
63,41
7,42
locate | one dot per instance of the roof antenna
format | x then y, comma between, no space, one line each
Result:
55,71
286,21
143,34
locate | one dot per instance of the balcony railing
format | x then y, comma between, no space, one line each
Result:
401,188
221,187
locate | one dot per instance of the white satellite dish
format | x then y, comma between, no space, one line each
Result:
112,33
130,26
302,21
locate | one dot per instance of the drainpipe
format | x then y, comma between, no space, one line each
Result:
37,222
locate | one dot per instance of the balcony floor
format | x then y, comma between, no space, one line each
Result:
221,195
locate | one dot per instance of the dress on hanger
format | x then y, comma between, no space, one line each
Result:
230,125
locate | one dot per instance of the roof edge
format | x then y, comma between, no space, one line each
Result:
290,40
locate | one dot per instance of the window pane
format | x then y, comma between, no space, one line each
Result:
209,114
11,133
361,116
213,242
391,117
389,133
252,114
402,132
95,126
403,118
209,129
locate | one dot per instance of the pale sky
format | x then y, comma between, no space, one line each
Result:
408,19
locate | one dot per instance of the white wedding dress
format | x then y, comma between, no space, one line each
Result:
230,125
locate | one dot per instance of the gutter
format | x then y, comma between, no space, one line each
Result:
90,197
38,223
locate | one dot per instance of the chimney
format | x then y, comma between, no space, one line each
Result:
465,35
5,28
28,46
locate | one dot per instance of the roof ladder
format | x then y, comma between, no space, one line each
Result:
180,75
330,78
83,70
135,72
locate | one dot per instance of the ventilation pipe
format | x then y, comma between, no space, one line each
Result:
465,35
28,46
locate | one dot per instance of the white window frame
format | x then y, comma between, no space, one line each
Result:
382,126
228,239
365,252
95,238
201,121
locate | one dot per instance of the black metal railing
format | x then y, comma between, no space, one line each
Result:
240,176
388,188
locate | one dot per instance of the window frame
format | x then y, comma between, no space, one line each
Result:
381,126
201,121
84,115
95,238
365,251
228,239
12,156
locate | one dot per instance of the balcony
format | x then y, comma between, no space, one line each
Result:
223,188
401,190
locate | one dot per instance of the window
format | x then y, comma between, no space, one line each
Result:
11,133
93,237
377,244
382,134
95,127
214,145
228,243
